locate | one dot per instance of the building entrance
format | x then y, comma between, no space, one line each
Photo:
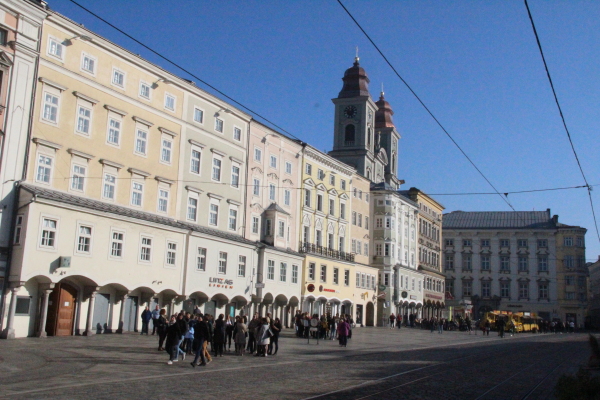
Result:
61,310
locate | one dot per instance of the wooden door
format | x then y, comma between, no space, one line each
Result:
61,311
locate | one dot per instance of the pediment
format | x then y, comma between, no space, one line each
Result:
332,192
366,237
256,207
322,187
5,59
382,156
343,196
309,182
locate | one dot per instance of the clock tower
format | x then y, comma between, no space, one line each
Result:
359,139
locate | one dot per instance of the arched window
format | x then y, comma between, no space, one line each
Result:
349,136
369,134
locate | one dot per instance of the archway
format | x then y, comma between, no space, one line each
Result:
103,315
65,306
370,317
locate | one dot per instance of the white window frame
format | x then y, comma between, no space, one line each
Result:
112,77
79,235
199,151
94,61
272,161
109,128
54,246
288,167
212,169
201,259
50,104
51,168
256,187
282,271
222,266
287,196
169,96
280,228
233,215
219,125
235,178
235,130
166,150
241,272
210,206
294,274
133,189
78,116
201,113
258,154
145,84
112,241
272,192
78,177
190,206
171,254
145,140
308,169
160,198
114,185
18,230
143,246
270,270
58,44
255,225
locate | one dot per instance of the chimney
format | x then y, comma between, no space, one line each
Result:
555,219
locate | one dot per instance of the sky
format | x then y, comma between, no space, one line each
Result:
476,66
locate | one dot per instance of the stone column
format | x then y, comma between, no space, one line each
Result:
9,331
282,315
89,329
121,322
45,290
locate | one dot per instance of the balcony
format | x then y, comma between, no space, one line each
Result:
312,248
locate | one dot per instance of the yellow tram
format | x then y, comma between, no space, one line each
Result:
521,321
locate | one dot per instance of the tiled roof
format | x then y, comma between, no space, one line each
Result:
498,220
276,207
101,206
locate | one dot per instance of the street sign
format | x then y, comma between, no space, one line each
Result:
382,288
259,285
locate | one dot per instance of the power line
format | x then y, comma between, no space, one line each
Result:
562,117
185,70
424,106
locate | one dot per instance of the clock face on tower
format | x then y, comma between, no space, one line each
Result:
350,111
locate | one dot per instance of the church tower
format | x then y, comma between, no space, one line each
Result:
364,133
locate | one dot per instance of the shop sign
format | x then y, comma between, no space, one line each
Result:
382,288
515,305
404,294
433,296
310,288
330,290
221,282
413,297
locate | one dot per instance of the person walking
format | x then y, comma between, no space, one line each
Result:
263,336
333,327
486,327
228,332
219,336
173,338
183,327
469,327
240,331
200,337
392,320
441,326
343,331
276,329
399,321
501,324
146,318
155,319
161,328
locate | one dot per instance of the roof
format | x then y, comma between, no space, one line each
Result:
101,206
276,207
498,220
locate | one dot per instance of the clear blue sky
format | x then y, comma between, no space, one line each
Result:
475,64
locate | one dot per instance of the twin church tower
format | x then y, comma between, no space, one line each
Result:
364,133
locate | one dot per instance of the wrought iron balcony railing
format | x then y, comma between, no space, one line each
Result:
312,248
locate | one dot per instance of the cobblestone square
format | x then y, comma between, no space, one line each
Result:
378,363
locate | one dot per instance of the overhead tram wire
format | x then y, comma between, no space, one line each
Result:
424,106
562,117
185,70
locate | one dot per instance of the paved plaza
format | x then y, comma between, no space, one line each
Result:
377,364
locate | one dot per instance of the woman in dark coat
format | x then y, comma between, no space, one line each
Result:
174,336
219,336
276,329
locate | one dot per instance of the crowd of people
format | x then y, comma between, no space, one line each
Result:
193,333
324,327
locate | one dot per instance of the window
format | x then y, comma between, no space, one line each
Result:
323,273
222,262
55,48
281,229
308,169
286,197
116,244
359,220
271,192
523,290
50,108
485,263
171,253
163,200
331,207
165,152
219,125
114,131
349,135
118,78
321,174
569,262
78,178
201,259
504,264
271,270
192,209
366,222
353,217
569,295
235,176
387,249
332,180
84,116
273,162
504,289
258,155
237,134
169,102
232,219
141,142
198,115
255,225
256,187
216,169
48,233
18,229
522,243
450,287
294,274
195,162
467,243
449,242
504,243
467,262
379,222
449,261
108,190
358,279
137,190
288,167
486,289
523,264
146,249
145,90
580,241
346,277
342,184
542,243
568,241
213,214
543,263
336,276
88,63
342,211
23,305
242,266
353,245
306,234
311,271
319,202
268,227
485,242
282,272
366,249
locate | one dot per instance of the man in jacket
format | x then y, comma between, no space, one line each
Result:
255,323
146,317
199,344
155,317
